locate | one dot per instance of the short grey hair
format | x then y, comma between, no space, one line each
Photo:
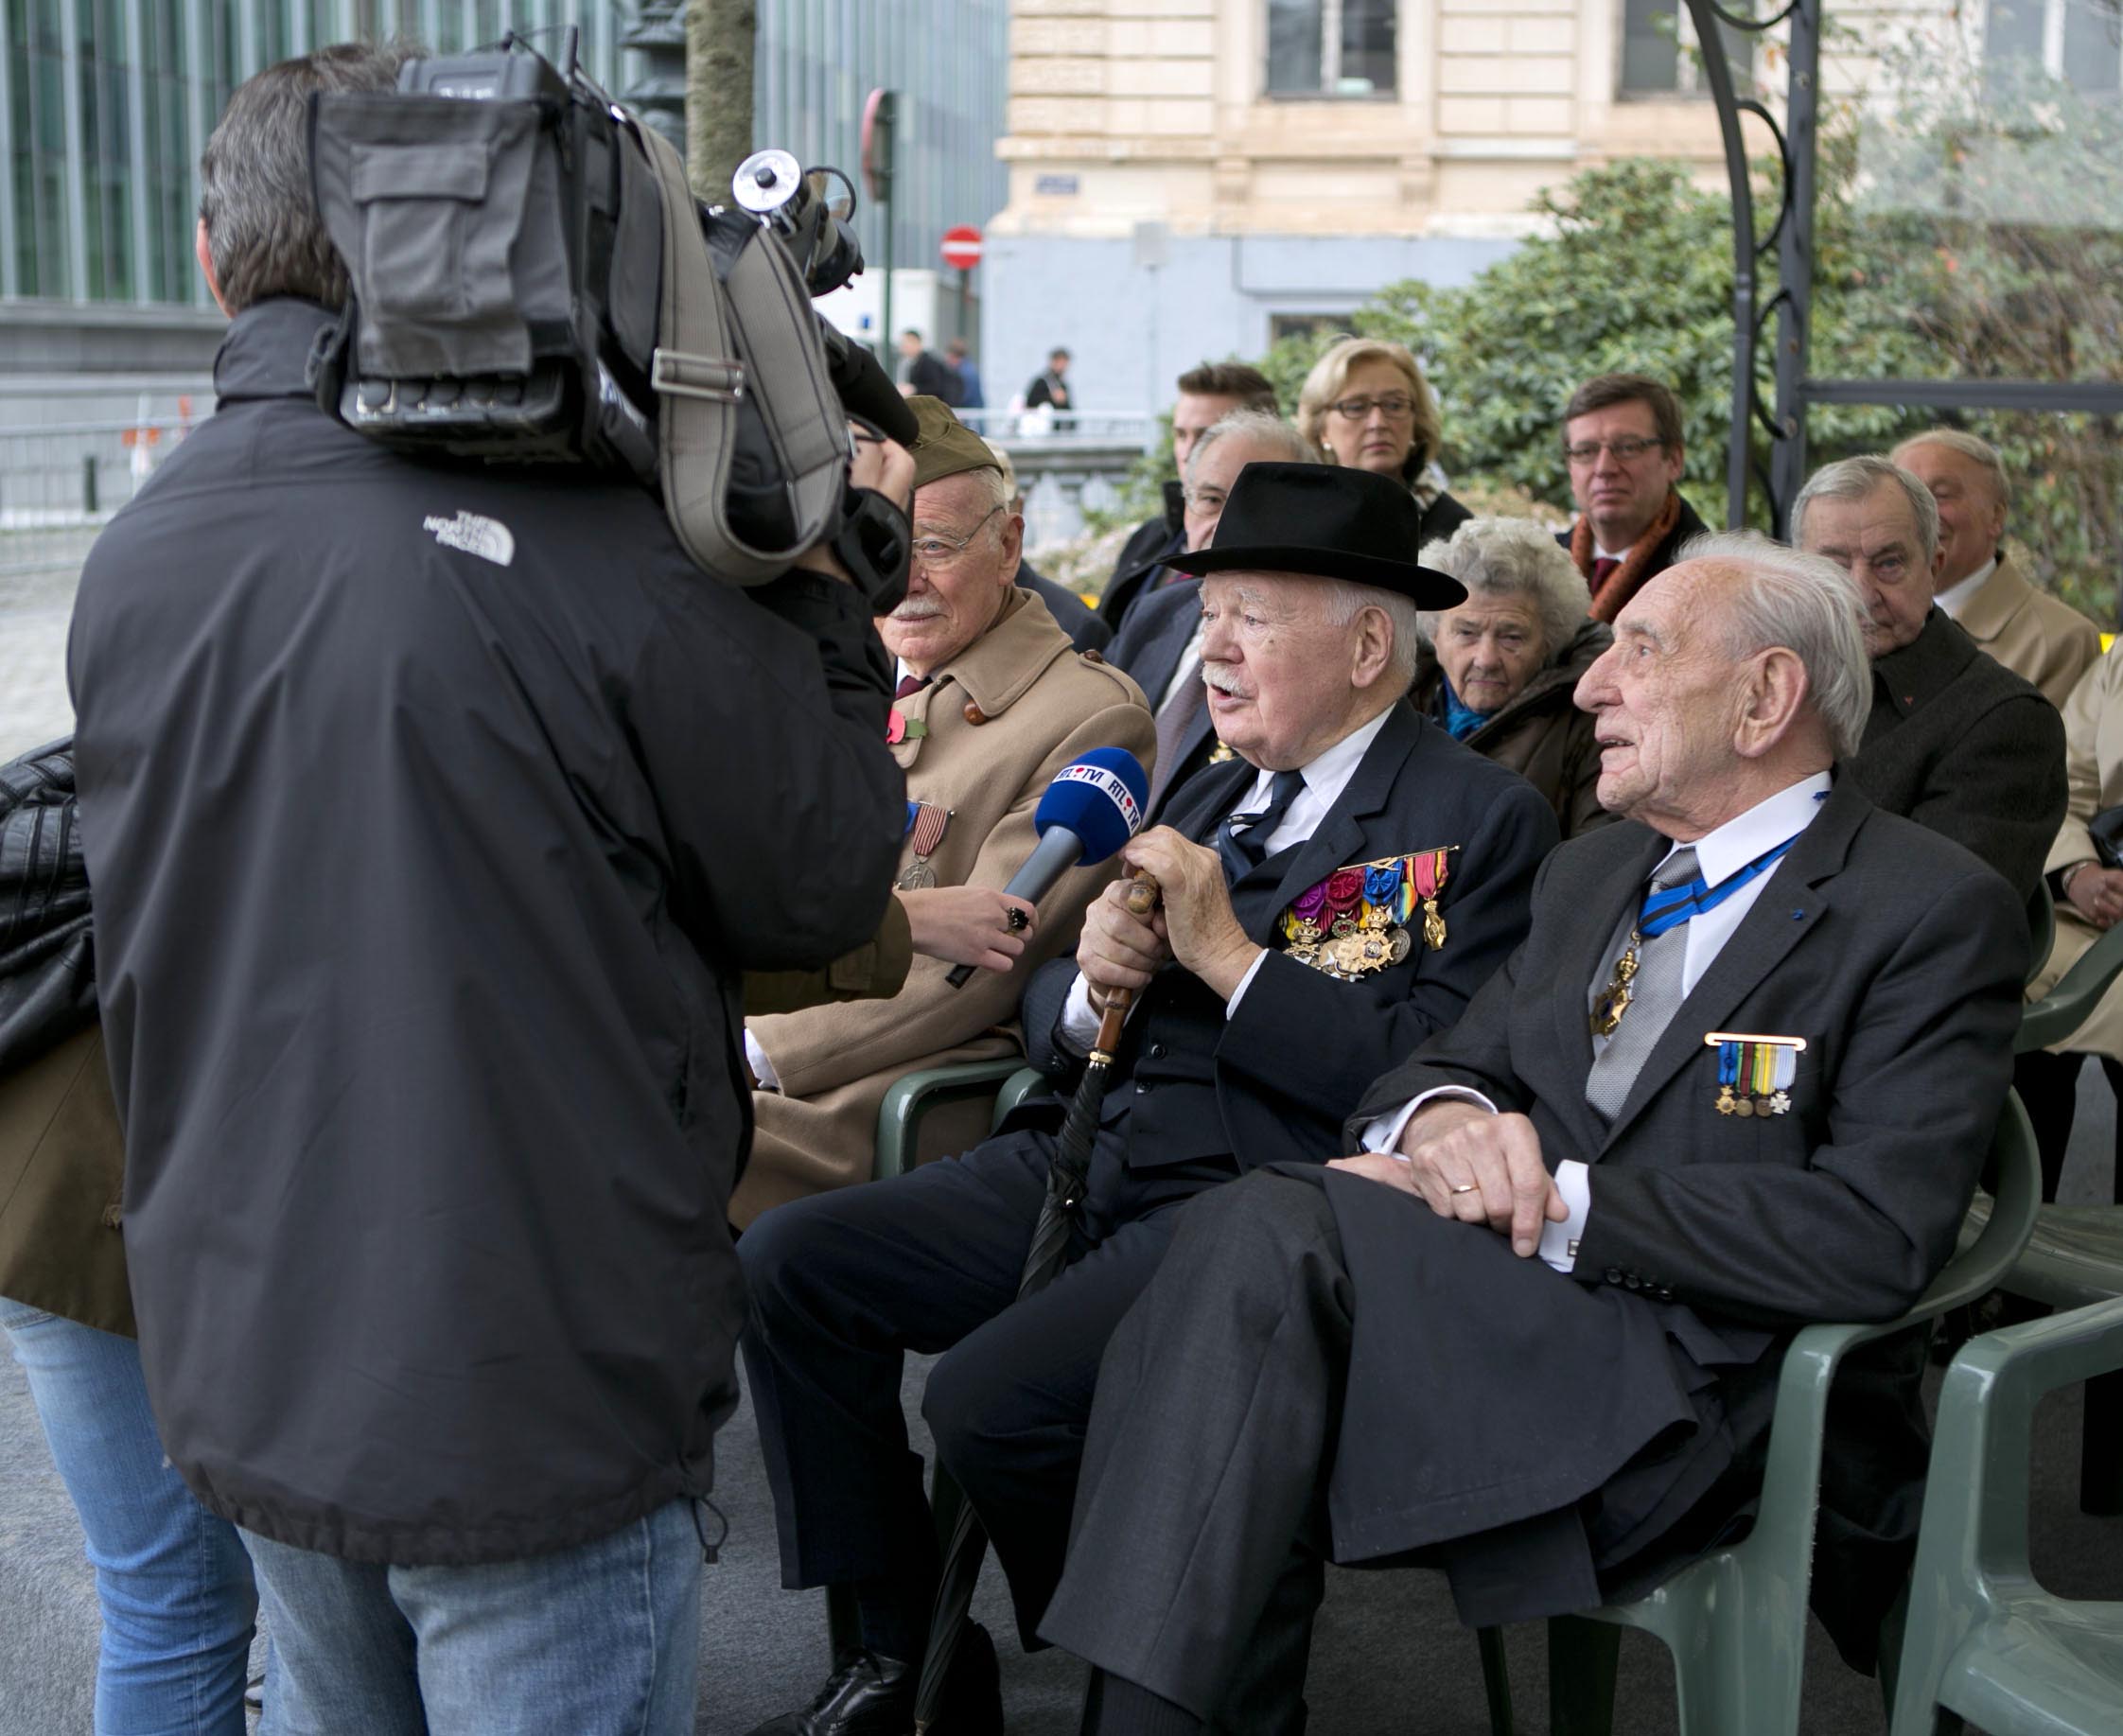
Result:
1345,598
1515,557
1972,446
1853,479
1809,605
263,231
1263,425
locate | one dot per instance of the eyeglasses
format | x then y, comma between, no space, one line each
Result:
1626,450
1395,405
941,550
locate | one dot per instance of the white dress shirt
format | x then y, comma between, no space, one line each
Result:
1325,778
1719,855
1956,597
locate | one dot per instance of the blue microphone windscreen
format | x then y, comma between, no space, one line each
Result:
1100,797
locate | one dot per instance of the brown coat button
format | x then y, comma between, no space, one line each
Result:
1093,657
975,716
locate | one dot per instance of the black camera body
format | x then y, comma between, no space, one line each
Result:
503,228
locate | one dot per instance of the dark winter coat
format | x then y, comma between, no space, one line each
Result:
432,815
1540,734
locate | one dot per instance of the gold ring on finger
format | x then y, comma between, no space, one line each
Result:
1464,1187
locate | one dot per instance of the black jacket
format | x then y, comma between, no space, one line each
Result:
1271,1083
1709,1238
1958,743
1071,613
1143,554
432,814
48,968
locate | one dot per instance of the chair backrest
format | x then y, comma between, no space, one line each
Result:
2012,1178
2070,1003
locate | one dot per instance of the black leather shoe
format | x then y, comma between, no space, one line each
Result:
869,1695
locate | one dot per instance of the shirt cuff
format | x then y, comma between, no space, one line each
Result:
1245,982
1080,1024
762,1069
1559,1241
1384,1133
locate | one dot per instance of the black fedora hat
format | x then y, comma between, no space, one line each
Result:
1329,521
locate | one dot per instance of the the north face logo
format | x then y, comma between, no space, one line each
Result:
488,539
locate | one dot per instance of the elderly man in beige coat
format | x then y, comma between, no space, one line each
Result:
2038,638
994,701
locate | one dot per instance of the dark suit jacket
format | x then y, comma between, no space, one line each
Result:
1149,648
1071,614
1272,1082
1958,743
1689,524
1142,554
1645,1378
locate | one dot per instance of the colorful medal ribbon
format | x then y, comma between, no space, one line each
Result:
925,825
1754,1074
1432,869
1355,922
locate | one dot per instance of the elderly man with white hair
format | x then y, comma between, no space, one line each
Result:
1739,1077
1332,895
1498,672
1955,740
1159,642
1980,584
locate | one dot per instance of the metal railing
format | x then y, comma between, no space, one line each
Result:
60,484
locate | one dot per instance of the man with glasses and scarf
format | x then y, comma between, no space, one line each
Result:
1621,440
992,700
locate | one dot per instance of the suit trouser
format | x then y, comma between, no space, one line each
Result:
844,1284
1195,1563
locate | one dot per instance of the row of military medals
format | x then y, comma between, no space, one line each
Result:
1355,920
1754,1074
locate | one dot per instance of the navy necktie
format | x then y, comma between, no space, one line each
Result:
1242,839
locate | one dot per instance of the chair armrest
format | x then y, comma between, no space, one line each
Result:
912,1097
1019,1086
2070,1004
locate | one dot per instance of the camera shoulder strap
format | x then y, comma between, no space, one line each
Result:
715,337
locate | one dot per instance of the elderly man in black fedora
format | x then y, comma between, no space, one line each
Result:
1332,895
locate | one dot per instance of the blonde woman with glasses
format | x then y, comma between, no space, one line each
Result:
1366,404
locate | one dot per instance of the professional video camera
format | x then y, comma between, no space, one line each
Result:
533,282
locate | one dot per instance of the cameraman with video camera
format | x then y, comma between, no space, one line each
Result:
433,812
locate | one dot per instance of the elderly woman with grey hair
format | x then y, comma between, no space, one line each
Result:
1499,671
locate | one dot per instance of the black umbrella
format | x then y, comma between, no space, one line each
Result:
1043,1263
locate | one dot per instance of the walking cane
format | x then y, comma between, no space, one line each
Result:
1043,1263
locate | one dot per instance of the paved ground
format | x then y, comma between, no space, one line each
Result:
34,610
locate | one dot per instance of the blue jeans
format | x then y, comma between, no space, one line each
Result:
173,1581
601,1639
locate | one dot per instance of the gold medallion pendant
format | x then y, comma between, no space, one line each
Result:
1614,999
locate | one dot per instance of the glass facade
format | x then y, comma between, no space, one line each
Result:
106,105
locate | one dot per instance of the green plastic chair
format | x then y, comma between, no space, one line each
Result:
899,1117
1984,1642
2041,928
2065,1008
1735,1620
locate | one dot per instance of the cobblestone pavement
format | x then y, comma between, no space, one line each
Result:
33,616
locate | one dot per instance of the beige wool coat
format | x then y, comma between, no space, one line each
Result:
2094,764
2040,639
1001,719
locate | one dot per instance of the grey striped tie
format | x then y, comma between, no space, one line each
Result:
1655,994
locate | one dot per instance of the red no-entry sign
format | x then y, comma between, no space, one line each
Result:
961,247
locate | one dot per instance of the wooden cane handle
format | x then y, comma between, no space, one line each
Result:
1143,894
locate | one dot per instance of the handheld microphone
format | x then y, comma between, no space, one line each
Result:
1093,807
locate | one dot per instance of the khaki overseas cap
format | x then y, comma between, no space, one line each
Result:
946,445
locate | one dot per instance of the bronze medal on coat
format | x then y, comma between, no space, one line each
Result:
924,834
